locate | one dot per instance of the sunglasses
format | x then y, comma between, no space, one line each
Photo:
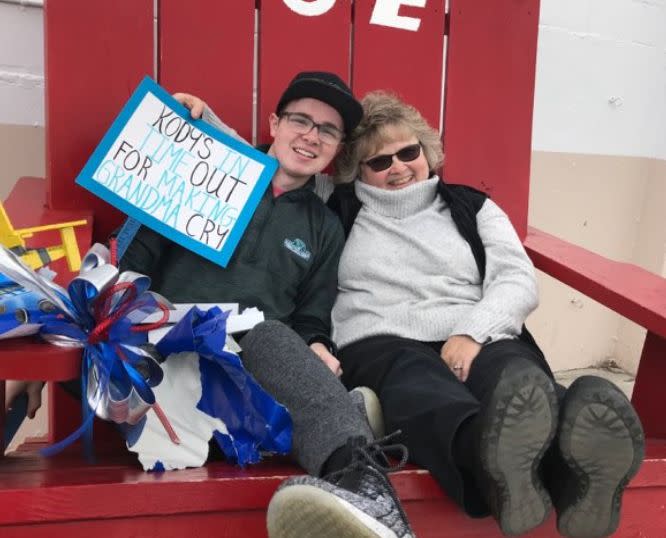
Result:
383,162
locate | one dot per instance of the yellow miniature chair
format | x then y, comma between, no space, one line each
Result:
38,257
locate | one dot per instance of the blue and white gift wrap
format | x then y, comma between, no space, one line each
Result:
21,311
203,390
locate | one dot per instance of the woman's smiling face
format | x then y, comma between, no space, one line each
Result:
399,174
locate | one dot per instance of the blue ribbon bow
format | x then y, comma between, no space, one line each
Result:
100,312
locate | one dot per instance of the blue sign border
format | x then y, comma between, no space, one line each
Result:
85,177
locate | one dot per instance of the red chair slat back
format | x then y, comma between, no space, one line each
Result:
206,47
408,62
290,42
489,99
97,52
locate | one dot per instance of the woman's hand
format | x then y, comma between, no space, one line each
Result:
325,355
193,103
458,352
33,389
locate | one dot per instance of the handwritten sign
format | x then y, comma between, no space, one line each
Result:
181,177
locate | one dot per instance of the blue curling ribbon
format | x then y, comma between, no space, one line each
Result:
125,236
85,431
255,421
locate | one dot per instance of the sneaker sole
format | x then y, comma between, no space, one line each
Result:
602,441
302,511
519,430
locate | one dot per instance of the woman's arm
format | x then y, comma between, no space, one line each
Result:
509,289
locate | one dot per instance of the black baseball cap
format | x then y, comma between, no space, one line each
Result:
326,87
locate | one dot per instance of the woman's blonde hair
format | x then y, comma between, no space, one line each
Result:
382,111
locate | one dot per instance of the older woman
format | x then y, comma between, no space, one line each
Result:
434,288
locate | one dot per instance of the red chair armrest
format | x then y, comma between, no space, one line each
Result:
627,289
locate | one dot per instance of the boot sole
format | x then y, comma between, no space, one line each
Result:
602,442
302,511
519,429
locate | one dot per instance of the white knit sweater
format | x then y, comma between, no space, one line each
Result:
406,271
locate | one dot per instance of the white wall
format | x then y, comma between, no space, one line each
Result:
599,161
21,65
601,77
21,93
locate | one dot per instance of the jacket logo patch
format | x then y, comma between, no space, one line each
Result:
298,247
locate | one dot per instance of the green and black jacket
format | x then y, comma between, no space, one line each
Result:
286,264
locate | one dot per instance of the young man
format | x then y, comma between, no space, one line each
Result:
286,264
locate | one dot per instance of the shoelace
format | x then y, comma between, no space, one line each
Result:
373,454
379,449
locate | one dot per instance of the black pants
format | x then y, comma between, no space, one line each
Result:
421,396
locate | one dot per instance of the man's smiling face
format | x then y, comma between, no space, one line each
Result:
302,155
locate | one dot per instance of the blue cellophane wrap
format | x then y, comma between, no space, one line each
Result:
254,420
22,311
101,312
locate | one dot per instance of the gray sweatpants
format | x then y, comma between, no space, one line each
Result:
322,412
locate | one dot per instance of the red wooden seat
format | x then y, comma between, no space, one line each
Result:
64,497
98,51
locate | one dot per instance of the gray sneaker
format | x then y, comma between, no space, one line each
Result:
355,502
368,404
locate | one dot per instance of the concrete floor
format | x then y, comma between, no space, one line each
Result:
624,380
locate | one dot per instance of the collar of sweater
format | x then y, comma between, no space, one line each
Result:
398,204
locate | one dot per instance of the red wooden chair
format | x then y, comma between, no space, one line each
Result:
96,54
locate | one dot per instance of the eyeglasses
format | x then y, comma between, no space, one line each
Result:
303,124
383,162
